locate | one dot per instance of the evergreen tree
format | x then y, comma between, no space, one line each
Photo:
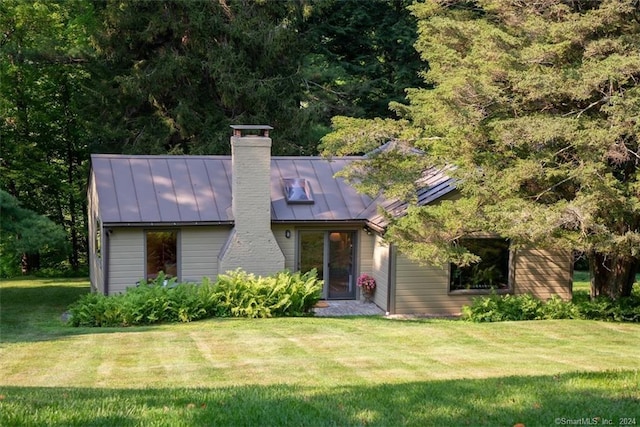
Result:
183,71
361,57
536,105
26,237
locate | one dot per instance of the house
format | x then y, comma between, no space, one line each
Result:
197,216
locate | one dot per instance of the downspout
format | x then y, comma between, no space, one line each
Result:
391,280
105,259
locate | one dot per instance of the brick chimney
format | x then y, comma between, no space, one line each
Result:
251,244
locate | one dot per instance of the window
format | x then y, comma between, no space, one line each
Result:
491,273
297,190
162,253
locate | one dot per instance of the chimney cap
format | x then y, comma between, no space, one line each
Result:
263,130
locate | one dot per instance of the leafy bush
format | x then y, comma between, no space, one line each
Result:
240,294
236,294
603,308
557,308
496,308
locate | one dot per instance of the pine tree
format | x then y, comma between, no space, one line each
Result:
178,73
536,105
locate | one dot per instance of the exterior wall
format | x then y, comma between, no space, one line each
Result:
126,258
96,271
544,273
363,253
378,258
287,244
424,290
199,250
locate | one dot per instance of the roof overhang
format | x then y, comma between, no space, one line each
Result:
164,224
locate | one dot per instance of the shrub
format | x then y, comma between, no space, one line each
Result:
557,308
626,309
235,294
525,307
240,294
496,308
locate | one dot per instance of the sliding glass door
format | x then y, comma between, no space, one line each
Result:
331,253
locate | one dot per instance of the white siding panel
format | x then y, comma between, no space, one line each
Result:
199,250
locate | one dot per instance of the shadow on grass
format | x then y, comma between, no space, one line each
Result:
533,401
34,313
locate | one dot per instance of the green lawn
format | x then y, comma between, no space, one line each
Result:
307,371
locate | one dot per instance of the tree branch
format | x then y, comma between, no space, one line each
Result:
552,187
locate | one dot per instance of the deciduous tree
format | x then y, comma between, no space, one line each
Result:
45,106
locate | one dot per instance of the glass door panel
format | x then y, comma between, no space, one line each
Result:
340,266
331,254
312,252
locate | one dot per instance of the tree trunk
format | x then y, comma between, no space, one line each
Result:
70,136
29,263
612,275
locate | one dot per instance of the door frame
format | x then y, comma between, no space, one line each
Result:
326,256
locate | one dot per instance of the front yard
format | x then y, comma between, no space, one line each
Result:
307,371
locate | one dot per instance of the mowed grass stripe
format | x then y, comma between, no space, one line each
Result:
305,351
308,371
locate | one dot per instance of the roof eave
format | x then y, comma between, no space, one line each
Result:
164,224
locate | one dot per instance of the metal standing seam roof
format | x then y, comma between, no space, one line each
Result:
434,184
146,189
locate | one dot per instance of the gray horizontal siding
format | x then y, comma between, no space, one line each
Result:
378,252
126,258
287,245
424,290
199,250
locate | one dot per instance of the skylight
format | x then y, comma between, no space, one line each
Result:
297,191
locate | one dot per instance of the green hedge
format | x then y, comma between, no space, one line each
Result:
496,308
235,294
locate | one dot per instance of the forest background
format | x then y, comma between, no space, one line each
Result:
533,108
169,77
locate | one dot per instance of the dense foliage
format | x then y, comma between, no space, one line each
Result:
145,77
46,106
185,70
22,232
535,105
361,57
498,308
236,294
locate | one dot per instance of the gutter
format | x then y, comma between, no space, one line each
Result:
165,224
